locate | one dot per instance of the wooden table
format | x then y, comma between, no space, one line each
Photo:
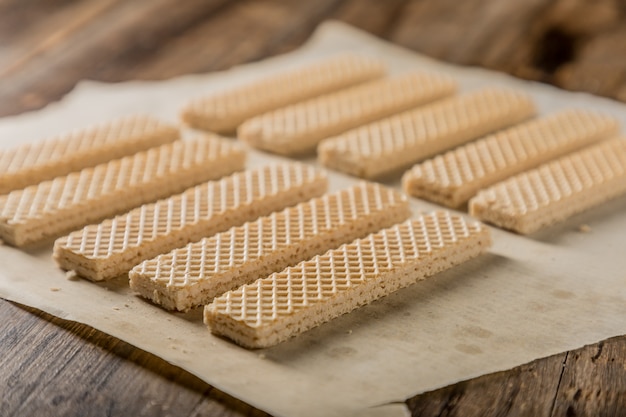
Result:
52,367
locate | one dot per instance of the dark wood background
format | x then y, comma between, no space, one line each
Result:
50,367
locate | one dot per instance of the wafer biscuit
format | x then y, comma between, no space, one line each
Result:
111,248
223,112
394,143
297,129
55,207
452,179
304,296
193,275
556,190
32,163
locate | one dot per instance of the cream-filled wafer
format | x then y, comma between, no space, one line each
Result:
297,129
392,144
301,297
111,248
224,111
194,275
453,178
556,190
35,162
55,207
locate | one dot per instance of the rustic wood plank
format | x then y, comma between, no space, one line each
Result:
18,16
527,390
594,381
45,33
124,32
54,367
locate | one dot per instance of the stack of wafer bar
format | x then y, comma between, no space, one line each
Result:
556,190
453,178
297,129
111,248
224,112
273,309
52,208
32,163
392,144
194,275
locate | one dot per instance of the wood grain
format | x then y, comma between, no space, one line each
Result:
54,367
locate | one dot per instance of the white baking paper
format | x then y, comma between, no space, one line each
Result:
530,297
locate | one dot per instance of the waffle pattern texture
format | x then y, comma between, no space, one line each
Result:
275,308
54,207
111,248
297,129
223,112
32,163
392,144
193,275
556,190
453,178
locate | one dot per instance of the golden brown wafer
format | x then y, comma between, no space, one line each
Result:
301,297
55,207
224,112
193,275
32,163
392,144
556,190
111,248
452,179
297,129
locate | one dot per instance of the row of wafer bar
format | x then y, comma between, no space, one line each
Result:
151,240
94,186
571,157
51,208
195,274
31,164
212,242
290,113
385,125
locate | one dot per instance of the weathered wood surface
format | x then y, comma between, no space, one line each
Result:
52,367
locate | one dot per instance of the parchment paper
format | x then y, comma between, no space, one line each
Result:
529,297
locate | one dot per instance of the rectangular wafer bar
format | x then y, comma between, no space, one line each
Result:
394,143
194,275
111,248
556,190
35,162
453,178
301,297
55,207
297,129
224,111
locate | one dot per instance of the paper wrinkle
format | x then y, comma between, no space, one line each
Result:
530,297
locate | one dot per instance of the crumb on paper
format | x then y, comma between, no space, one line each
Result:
55,289
116,308
126,305
349,332
584,228
71,275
